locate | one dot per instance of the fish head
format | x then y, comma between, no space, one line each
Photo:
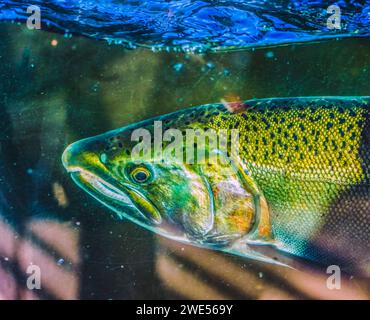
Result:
206,203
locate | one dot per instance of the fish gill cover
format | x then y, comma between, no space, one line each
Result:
196,25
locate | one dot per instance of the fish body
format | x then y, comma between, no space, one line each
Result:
298,180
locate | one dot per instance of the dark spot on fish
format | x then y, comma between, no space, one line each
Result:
341,132
318,118
264,120
335,147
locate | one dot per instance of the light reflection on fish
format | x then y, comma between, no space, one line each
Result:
299,183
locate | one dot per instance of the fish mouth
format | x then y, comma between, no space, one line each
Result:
110,195
101,186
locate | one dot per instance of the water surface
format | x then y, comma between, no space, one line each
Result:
197,25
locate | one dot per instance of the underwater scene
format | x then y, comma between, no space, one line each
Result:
184,150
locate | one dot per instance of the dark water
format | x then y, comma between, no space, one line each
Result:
56,90
196,25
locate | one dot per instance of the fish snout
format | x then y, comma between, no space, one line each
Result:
81,155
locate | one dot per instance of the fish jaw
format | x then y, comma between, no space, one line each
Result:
103,191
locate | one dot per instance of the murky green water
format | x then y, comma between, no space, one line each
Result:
54,91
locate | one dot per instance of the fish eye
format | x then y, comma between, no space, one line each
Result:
140,174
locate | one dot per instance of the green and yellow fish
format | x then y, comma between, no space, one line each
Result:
292,174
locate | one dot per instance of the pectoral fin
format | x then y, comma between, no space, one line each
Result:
242,249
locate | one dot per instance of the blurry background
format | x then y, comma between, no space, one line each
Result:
54,91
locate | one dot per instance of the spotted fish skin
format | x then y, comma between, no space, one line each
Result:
311,159
306,158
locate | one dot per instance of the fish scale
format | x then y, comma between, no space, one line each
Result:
317,150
